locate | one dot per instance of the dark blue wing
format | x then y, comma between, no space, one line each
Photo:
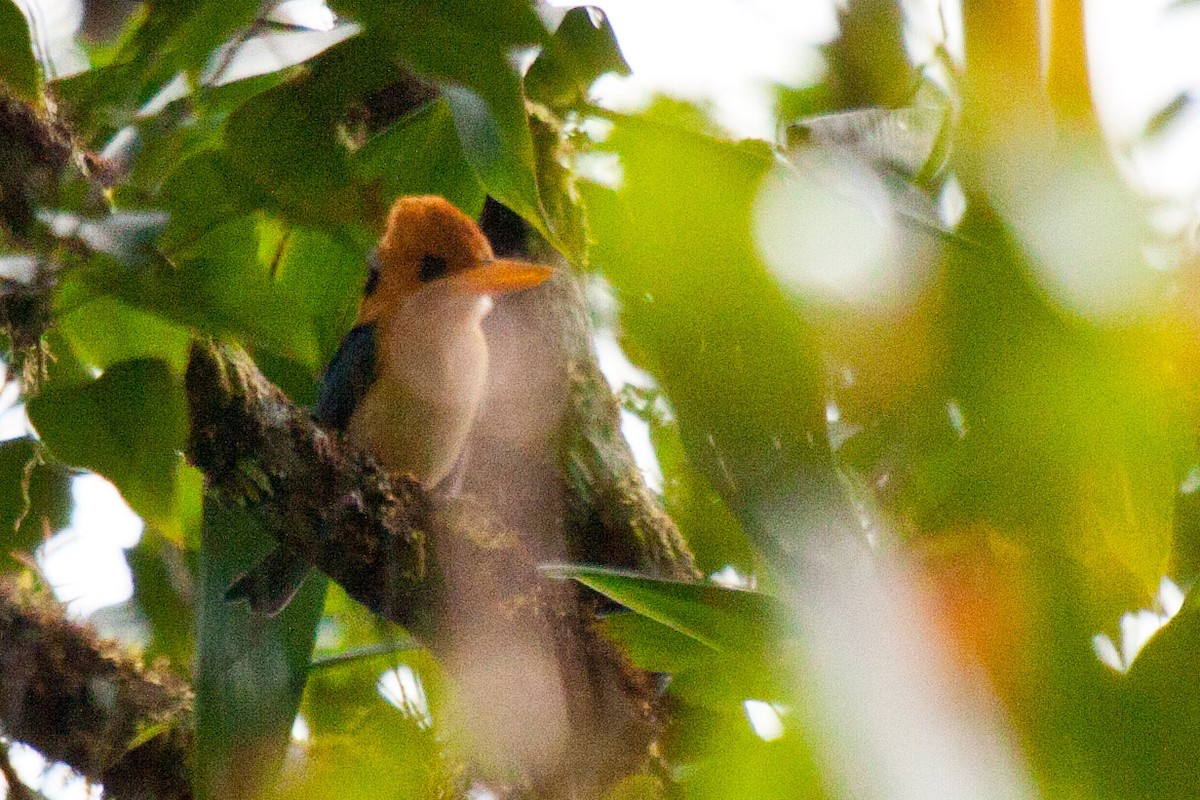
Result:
348,377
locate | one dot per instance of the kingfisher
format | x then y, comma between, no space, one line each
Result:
407,380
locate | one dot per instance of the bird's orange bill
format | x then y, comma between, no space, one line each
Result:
496,277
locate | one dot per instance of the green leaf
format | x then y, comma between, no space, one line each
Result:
500,25
712,533
467,48
129,425
291,290
250,670
210,24
715,616
358,736
104,331
162,576
1157,705
286,140
18,67
204,191
654,646
582,49
421,154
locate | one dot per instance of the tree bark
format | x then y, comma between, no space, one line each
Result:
87,702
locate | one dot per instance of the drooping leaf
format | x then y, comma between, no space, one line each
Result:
18,67
718,617
129,425
499,148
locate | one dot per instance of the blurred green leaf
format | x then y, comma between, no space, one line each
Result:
356,734
129,425
250,670
99,101
712,533
1158,705
421,154
681,256
173,37
737,764
583,48
18,67
720,618
208,25
1168,115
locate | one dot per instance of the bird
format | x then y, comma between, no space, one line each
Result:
407,380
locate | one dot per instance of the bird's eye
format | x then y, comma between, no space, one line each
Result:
373,270
432,268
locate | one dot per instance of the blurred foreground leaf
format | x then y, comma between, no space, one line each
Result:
1160,704
701,313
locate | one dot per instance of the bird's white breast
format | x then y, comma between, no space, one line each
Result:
432,368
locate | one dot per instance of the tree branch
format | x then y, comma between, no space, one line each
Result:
447,572
87,702
326,502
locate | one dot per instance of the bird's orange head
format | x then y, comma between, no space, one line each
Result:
427,239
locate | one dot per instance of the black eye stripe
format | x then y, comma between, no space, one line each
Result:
373,270
432,268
